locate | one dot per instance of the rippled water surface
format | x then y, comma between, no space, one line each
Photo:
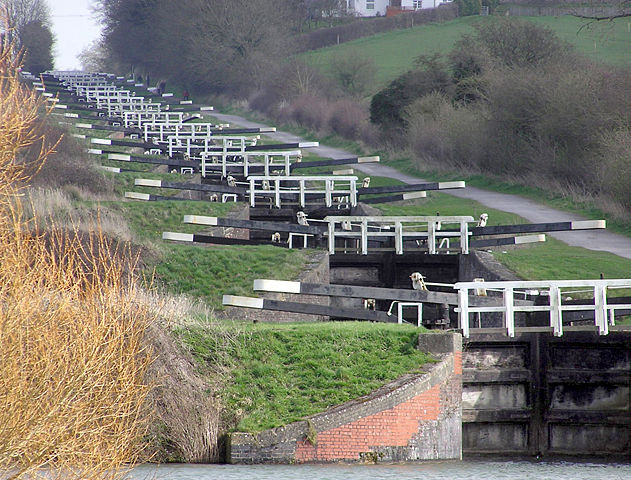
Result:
465,470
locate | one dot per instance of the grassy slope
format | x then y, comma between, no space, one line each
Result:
282,373
205,272
394,52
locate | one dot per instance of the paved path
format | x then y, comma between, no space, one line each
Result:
534,212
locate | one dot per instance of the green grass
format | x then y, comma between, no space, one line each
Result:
555,260
283,373
149,219
394,52
204,272
608,42
210,272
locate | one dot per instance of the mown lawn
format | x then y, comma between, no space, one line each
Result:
282,373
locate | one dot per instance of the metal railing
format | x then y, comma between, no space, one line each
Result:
277,186
557,291
228,162
426,229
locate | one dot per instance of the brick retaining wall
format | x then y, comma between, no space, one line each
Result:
417,417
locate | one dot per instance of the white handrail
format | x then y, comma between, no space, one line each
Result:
604,312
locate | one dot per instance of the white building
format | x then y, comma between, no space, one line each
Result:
368,8
373,8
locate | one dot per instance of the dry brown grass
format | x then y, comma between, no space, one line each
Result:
72,331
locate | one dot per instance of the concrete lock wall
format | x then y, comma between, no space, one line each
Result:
417,417
538,394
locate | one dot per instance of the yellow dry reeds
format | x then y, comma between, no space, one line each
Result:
73,358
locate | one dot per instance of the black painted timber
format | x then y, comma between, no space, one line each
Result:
522,228
199,238
384,199
406,295
325,163
270,226
325,310
154,161
414,187
250,148
492,242
204,187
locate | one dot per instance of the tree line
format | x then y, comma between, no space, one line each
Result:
28,28
206,45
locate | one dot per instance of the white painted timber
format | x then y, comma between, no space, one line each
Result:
588,224
71,115
308,144
247,302
414,195
111,169
137,196
557,292
145,182
77,135
449,185
119,156
348,171
530,239
373,159
94,151
101,141
178,237
278,286
83,125
200,220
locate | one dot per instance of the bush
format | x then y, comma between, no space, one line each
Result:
468,7
387,107
307,110
347,118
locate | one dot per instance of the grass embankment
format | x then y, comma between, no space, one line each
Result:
394,52
283,373
203,272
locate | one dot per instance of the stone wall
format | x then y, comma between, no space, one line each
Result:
417,417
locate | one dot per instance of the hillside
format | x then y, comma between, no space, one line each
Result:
394,52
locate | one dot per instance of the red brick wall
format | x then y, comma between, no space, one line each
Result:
394,427
458,363
417,417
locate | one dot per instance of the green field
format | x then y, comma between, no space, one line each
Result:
394,52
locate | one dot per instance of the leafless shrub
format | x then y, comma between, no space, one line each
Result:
347,118
307,110
72,350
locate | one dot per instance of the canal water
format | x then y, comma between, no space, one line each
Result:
452,470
